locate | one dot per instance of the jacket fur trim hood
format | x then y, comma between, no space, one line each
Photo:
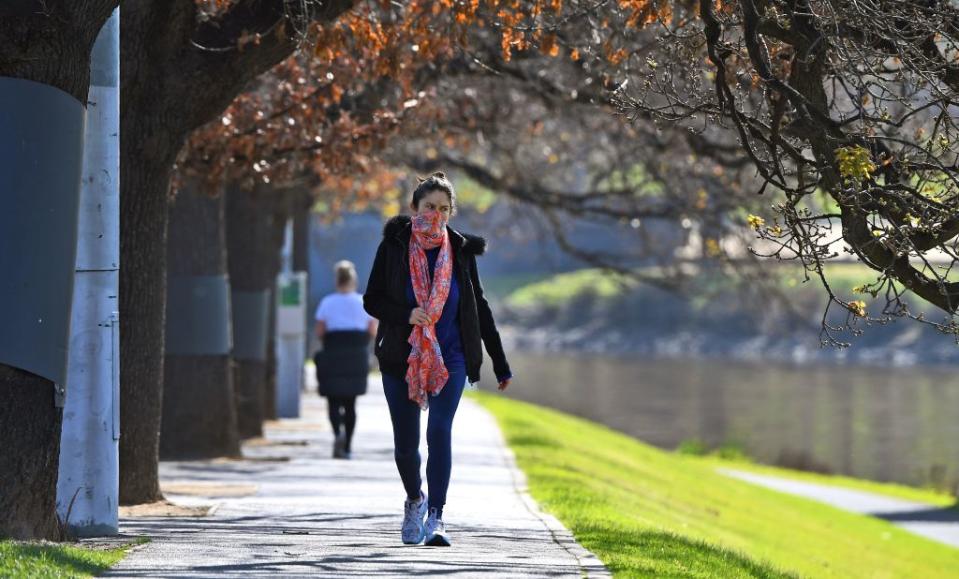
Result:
470,243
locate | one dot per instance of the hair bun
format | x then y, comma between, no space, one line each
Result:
439,174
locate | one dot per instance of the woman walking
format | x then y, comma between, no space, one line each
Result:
342,366
425,290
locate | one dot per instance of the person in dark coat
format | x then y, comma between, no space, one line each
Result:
425,290
342,366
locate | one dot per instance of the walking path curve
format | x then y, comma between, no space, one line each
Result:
937,523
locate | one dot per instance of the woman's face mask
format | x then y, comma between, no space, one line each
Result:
429,224
435,202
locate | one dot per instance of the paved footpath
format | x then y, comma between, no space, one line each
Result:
314,516
936,523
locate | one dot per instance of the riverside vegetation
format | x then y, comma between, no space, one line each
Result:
646,512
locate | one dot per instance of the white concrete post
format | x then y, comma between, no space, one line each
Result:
88,485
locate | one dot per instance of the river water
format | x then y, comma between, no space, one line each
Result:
884,424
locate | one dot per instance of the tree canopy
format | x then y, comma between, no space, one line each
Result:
828,128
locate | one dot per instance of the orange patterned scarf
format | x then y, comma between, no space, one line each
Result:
427,374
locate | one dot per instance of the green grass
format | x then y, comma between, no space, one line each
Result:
499,286
650,513
558,290
42,560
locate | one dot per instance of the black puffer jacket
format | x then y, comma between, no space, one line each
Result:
386,300
342,366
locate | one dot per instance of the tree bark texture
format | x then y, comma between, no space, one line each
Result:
301,236
199,417
172,82
250,403
143,217
256,221
250,232
269,383
49,43
29,456
300,214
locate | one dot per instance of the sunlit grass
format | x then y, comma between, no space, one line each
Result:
650,513
558,290
500,286
42,560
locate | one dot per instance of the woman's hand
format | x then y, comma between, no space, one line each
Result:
504,384
419,317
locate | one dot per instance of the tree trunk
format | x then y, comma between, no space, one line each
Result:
198,421
199,417
249,229
269,384
144,183
153,132
301,236
300,212
250,396
51,45
30,430
170,85
50,42
256,221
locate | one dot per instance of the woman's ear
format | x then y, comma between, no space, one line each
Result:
413,207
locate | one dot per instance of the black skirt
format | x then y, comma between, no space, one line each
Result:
342,366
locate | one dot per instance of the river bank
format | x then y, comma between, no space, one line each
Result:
590,312
646,512
889,346
885,424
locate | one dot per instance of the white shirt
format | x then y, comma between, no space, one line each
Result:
342,312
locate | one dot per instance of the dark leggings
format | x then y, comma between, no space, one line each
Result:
342,411
405,415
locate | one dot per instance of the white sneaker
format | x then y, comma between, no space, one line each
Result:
436,531
413,512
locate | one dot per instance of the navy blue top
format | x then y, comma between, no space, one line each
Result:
448,326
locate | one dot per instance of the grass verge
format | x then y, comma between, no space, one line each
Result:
649,513
49,560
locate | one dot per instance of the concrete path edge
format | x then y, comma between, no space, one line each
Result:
589,563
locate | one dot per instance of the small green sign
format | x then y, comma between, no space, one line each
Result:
290,293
